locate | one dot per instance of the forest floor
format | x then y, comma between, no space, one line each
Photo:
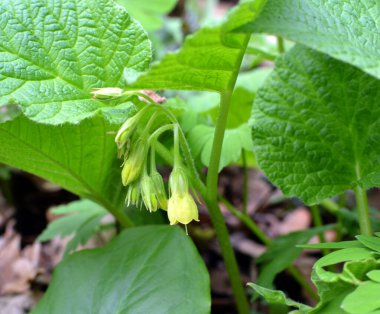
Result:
26,265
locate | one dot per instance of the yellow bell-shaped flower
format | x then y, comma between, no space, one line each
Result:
182,209
181,205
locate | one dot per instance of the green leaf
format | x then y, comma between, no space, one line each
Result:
282,253
145,268
80,158
333,303
52,54
148,13
209,60
278,297
364,299
235,140
334,287
333,245
343,255
245,12
315,126
374,275
82,219
347,30
203,63
370,242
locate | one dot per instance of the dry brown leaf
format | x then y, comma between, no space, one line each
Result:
246,246
297,220
17,267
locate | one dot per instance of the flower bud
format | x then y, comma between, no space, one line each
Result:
124,134
159,189
107,92
178,183
133,194
134,163
125,130
182,209
148,193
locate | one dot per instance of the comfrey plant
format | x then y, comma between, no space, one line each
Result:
312,123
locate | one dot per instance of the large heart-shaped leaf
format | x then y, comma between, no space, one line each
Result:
81,158
52,53
348,30
144,270
316,125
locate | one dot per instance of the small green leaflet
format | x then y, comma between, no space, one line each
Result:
81,220
148,13
278,297
372,243
235,140
347,30
316,126
164,275
364,299
53,53
344,255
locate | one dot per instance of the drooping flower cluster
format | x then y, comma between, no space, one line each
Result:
136,144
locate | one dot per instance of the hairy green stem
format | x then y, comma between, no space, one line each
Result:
331,206
228,256
280,44
342,200
245,181
316,214
363,211
211,193
211,199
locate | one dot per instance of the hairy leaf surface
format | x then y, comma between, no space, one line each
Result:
348,30
145,269
316,125
52,53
